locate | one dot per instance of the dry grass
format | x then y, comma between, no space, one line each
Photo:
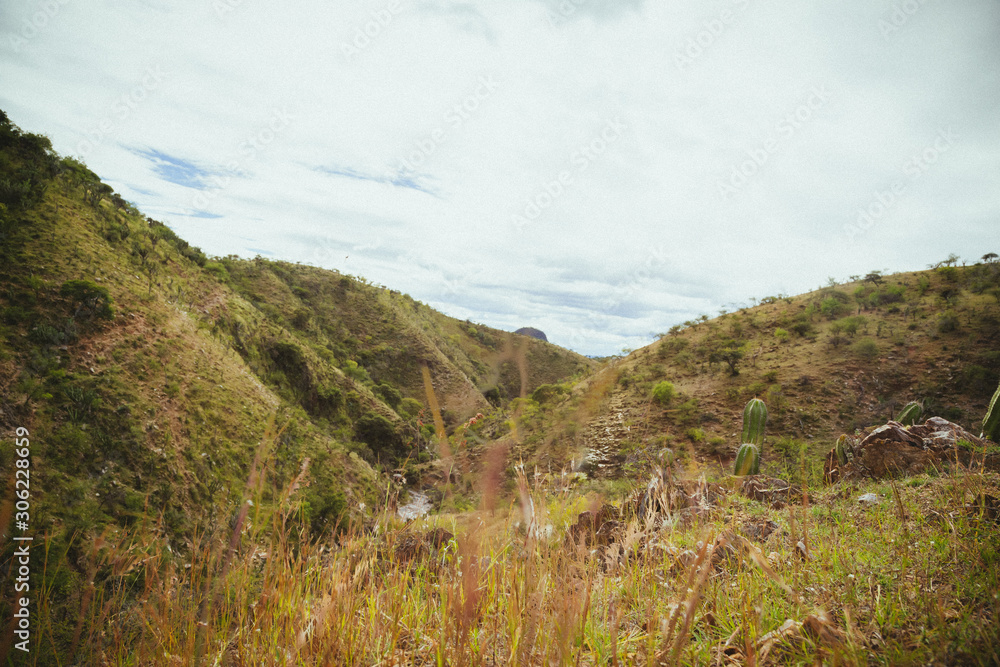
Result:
912,580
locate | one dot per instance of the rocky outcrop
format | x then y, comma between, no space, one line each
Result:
894,450
534,333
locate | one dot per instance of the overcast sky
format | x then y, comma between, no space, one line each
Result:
598,169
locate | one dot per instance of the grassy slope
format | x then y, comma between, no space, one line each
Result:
155,416
154,421
190,366
934,339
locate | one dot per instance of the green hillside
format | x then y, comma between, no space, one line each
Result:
826,362
219,447
147,372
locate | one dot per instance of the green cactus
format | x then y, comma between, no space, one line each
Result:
747,460
842,448
910,413
754,418
991,422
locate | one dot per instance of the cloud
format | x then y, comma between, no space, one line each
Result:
400,179
261,131
176,170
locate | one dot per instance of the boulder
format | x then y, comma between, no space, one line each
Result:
896,450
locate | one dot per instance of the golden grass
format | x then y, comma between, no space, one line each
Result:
910,581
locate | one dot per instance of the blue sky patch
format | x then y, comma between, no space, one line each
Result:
175,170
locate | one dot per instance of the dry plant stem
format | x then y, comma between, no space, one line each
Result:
692,573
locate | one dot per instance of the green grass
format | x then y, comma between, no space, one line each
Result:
908,581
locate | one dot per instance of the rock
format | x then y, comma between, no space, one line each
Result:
771,490
896,450
758,531
868,499
595,528
532,332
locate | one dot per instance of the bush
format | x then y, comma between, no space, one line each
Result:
88,298
664,392
866,349
547,392
717,445
802,326
850,325
378,433
355,372
832,308
410,407
695,434
389,394
781,335
217,270
947,323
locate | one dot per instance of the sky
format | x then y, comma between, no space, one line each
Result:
598,169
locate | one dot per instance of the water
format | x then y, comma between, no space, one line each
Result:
419,505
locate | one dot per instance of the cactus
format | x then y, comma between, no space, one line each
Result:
842,448
910,413
754,418
747,460
991,422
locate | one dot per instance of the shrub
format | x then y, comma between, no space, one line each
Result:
355,372
802,326
88,297
781,335
948,273
390,395
217,270
547,392
695,434
947,323
866,349
923,283
850,325
832,308
664,392
716,445
378,433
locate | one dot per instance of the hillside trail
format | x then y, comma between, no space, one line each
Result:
604,434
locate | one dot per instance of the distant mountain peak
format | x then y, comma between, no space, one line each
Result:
534,333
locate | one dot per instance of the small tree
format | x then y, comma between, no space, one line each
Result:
729,352
88,298
664,392
875,277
